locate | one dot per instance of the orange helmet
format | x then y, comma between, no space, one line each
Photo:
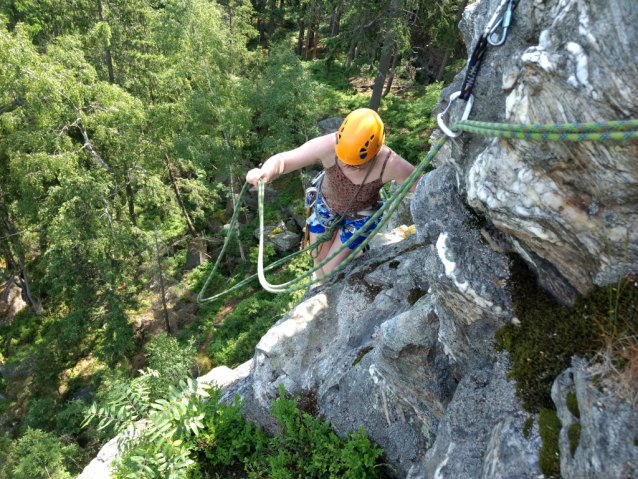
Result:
359,137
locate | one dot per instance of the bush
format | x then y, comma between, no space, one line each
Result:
171,360
41,414
41,455
307,447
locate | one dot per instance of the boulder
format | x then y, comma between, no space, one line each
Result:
98,468
608,442
330,125
11,303
468,277
196,253
282,239
252,196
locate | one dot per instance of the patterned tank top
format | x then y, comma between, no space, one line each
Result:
338,190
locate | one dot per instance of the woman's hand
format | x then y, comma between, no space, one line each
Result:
254,175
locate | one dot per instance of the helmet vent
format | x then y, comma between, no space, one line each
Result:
362,149
367,144
363,155
372,138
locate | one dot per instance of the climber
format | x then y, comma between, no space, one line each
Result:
352,181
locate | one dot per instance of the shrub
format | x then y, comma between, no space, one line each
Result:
307,447
171,360
41,455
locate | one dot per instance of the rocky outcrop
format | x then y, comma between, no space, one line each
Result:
11,303
599,434
574,205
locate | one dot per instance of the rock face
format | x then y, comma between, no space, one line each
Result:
575,205
11,303
608,443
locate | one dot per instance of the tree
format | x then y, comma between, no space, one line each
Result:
386,54
41,455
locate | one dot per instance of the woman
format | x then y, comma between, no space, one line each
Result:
352,156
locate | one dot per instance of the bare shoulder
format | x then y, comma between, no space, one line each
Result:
397,168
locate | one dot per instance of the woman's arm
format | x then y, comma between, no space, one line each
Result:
282,163
398,170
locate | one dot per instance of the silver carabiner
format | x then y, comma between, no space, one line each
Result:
466,114
503,21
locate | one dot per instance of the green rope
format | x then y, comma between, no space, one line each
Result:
598,131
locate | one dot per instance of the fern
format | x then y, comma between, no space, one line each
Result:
154,436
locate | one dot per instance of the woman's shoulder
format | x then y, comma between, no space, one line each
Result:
396,166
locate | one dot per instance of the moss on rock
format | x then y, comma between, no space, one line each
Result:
573,434
572,404
549,456
542,346
527,427
415,294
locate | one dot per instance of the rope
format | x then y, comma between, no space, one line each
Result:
598,131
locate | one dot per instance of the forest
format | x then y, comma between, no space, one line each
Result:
126,128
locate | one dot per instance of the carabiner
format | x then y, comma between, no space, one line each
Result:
466,114
503,21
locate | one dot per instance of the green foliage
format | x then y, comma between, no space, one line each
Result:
171,360
411,122
41,414
178,427
307,447
70,417
269,253
227,439
156,435
549,427
573,434
286,102
39,454
234,341
550,334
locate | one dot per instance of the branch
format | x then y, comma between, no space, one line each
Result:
25,231
89,147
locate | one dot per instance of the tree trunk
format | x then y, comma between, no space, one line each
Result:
35,305
394,67
310,19
300,39
376,52
271,24
235,206
161,277
353,45
109,61
316,41
335,26
384,62
131,203
446,57
191,229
